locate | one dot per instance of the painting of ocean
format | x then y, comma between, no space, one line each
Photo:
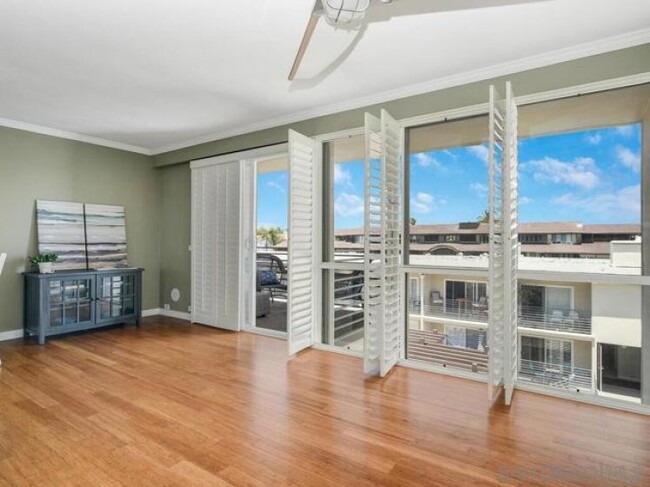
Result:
106,236
61,231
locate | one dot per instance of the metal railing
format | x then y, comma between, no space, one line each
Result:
556,320
555,376
348,307
465,310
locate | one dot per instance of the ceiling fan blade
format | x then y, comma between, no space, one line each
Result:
309,31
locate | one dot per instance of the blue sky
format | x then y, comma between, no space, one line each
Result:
589,176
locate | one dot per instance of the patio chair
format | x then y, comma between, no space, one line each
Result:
557,317
572,319
436,298
271,275
481,304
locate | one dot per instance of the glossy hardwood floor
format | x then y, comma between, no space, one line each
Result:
174,404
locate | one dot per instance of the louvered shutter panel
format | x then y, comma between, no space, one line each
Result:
215,245
204,237
303,312
228,245
502,323
511,242
372,241
382,245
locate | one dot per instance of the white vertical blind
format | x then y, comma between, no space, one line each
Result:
502,324
215,245
303,310
382,245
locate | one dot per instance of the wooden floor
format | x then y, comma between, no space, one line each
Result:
174,404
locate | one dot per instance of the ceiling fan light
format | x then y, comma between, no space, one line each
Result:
344,11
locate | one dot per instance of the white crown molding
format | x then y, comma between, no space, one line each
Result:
63,134
601,46
11,334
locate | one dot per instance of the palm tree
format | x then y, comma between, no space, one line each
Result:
484,217
272,236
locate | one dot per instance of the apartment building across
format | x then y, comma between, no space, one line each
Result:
539,239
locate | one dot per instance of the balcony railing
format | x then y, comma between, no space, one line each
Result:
542,319
555,376
457,309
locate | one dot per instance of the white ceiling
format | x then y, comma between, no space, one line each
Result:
160,74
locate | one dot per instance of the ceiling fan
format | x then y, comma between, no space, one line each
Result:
336,12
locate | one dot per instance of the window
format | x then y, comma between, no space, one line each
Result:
343,214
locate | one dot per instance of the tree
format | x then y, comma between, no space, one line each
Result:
484,217
413,221
272,236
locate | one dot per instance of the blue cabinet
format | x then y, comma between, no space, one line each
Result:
69,301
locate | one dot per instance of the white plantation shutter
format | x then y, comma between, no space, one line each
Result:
249,243
502,324
382,245
215,245
511,242
228,246
204,237
303,309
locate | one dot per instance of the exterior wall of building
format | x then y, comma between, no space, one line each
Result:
582,351
581,293
616,314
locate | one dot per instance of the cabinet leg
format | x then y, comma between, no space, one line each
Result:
41,338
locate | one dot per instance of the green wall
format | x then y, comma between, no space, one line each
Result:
174,167
35,167
174,206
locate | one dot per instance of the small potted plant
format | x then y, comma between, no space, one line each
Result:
44,262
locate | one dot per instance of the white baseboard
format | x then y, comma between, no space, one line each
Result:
179,315
11,334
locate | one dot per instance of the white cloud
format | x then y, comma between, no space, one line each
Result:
341,176
628,158
624,130
625,201
425,159
348,205
593,139
480,151
425,203
525,200
479,188
277,186
581,172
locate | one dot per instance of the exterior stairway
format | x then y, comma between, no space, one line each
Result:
428,346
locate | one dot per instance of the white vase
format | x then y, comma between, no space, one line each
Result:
45,267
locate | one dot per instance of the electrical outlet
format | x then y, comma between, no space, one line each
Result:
166,306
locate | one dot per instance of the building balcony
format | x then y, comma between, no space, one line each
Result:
543,319
458,309
564,377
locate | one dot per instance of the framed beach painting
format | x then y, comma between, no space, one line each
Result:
61,230
106,236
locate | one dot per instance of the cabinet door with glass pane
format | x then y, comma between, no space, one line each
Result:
70,302
116,296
